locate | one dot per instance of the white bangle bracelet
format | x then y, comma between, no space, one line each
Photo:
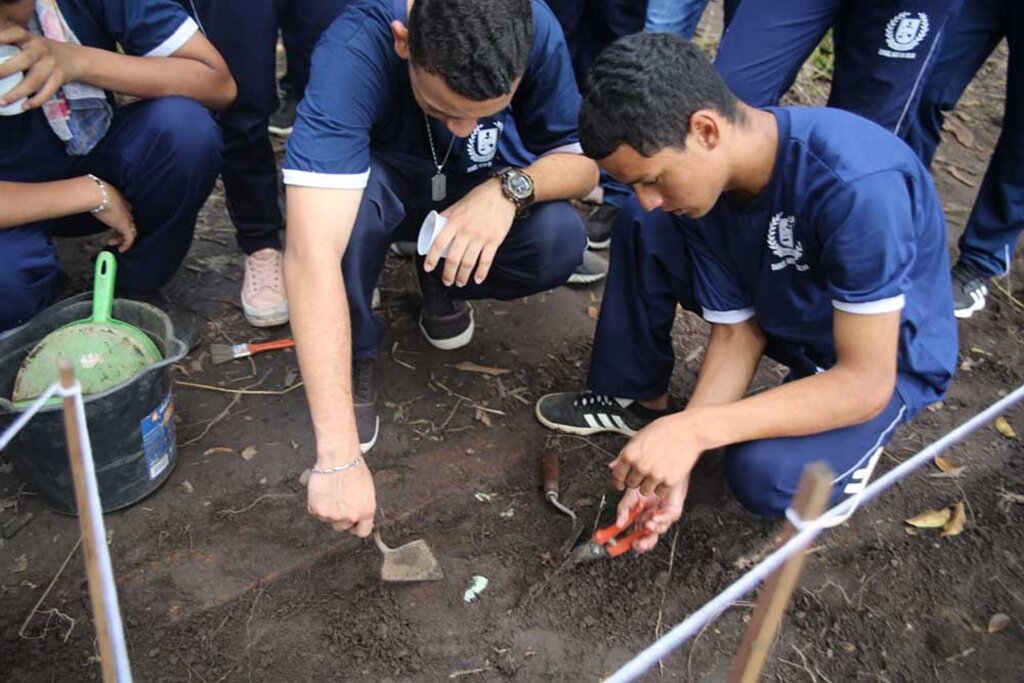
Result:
339,468
105,203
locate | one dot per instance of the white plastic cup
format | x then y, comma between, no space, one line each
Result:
433,224
9,83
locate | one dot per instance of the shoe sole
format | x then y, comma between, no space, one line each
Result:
280,132
599,246
571,429
271,319
365,447
964,313
580,279
452,343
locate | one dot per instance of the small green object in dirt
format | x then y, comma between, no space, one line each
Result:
104,351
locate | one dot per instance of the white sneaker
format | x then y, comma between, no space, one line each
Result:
263,295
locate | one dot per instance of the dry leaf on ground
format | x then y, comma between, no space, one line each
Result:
218,449
592,312
249,452
957,521
20,565
932,519
1005,428
470,366
944,465
998,622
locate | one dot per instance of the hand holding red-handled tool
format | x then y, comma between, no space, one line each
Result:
605,542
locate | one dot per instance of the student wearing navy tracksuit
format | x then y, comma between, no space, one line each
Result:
590,26
468,107
144,174
812,236
990,238
883,51
245,33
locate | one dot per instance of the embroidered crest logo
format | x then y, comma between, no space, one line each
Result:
483,144
903,33
784,244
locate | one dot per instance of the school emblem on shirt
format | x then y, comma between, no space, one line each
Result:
783,243
483,144
903,33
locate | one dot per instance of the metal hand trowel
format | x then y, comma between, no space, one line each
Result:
413,561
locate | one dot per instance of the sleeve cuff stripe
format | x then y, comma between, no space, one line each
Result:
573,148
181,36
328,181
728,317
889,305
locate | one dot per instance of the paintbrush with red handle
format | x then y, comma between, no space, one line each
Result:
222,353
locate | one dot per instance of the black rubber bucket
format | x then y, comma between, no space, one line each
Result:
131,425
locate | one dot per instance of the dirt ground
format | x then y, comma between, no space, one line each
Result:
223,577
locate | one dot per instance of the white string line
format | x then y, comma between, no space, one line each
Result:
37,405
687,629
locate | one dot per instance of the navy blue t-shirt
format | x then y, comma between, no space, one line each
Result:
359,98
143,28
849,221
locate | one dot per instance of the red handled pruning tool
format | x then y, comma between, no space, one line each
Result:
604,544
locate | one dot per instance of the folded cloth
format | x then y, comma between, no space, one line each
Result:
79,114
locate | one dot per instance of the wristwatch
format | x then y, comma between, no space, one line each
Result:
517,186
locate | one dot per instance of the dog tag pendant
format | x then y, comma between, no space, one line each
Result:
439,187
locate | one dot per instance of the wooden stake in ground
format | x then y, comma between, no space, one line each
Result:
102,593
810,501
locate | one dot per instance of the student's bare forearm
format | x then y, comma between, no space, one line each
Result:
562,176
854,390
729,364
23,203
320,323
202,79
319,224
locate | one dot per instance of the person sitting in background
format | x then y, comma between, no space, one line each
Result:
73,163
811,236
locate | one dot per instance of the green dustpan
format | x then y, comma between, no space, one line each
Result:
104,351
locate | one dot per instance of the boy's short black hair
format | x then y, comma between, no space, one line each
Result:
642,91
479,47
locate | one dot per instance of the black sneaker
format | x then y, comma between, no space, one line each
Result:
599,220
446,322
593,269
403,249
282,121
586,413
364,398
970,287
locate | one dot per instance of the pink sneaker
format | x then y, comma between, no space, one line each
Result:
263,296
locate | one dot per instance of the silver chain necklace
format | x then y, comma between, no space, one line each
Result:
439,183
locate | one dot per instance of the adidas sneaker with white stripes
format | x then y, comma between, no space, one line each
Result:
585,413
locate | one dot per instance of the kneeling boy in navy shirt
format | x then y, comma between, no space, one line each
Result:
811,236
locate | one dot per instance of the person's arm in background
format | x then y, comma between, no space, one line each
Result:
60,198
320,224
194,70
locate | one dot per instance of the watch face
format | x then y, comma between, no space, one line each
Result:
519,185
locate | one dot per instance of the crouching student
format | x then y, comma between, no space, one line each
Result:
73,163
812,236
467,107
